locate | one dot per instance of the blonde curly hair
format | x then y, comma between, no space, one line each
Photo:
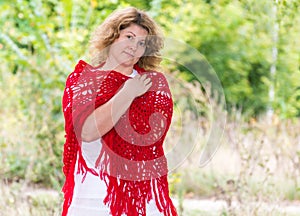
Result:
106,33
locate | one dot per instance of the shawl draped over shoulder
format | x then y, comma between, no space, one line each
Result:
132,162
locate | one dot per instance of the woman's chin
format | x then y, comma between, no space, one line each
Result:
128,62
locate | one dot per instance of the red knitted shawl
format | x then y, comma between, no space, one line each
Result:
132,161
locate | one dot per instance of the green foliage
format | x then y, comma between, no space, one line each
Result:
237,38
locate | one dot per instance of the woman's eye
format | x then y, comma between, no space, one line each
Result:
142,43
129,37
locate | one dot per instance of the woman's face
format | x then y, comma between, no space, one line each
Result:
129,47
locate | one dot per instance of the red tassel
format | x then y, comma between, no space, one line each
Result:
68,190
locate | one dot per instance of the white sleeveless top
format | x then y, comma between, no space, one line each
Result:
89,194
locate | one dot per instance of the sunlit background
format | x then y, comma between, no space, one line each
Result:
253,47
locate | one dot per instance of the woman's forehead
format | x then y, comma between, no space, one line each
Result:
135,30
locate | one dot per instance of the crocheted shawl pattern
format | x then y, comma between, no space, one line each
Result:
132,162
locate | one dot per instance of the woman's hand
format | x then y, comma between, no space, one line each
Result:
138,85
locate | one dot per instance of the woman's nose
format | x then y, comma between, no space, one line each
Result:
133,45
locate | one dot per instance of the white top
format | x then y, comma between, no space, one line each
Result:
89,194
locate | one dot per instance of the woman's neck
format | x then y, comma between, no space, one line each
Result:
122,68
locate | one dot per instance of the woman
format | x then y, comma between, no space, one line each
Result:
117,115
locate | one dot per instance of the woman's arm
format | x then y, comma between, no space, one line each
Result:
103,119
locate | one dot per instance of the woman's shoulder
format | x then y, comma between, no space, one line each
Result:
159,82
150,72
156,75
82,67
79,67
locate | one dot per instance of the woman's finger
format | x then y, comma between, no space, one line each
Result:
147,80
137,76
143,77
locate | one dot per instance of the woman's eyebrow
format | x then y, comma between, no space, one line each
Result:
131,33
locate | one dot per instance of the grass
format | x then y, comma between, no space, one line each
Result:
19,199
256,165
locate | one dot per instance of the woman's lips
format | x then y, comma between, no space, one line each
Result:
129,54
